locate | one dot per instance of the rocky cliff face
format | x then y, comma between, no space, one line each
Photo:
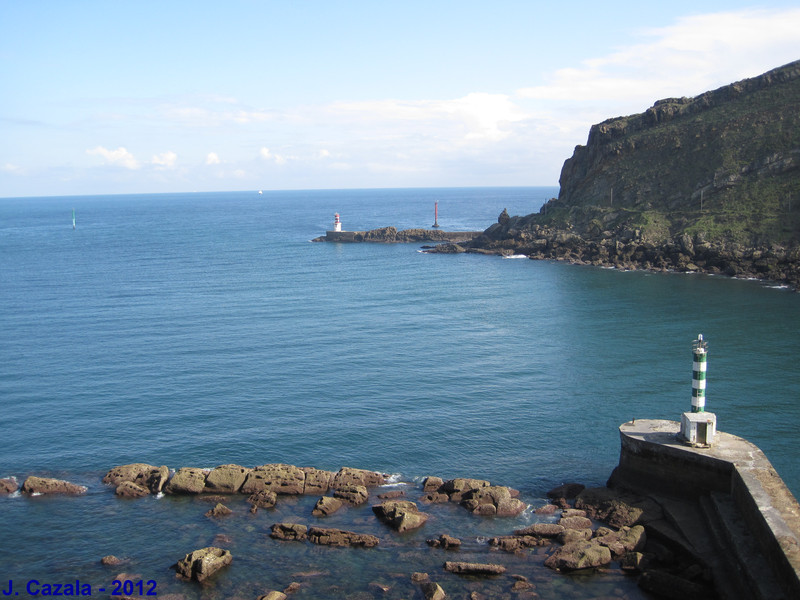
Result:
709,183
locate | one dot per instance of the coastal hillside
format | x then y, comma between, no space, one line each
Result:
709,183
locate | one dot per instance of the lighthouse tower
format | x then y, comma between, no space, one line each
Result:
698,427
337,224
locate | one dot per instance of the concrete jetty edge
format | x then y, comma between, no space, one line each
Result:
653,459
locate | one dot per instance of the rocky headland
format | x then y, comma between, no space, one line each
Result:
705,184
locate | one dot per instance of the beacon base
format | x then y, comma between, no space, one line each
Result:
698,429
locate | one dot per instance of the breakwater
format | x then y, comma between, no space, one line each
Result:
392,235
725,504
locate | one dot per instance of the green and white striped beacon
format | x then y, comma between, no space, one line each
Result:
700,361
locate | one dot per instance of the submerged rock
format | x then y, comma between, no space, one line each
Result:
339,537
128,489
220,510
327,505
289,531
467,568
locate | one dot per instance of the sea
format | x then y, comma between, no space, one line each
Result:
202,329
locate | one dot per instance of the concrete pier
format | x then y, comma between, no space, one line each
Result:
749,518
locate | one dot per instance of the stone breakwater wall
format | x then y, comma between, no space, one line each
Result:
652,459
390,235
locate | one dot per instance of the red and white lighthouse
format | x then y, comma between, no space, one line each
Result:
337,224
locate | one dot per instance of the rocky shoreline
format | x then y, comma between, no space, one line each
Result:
579,529
628,249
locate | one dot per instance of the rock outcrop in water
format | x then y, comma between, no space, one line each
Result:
708,184
47,485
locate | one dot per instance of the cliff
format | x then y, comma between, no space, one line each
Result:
710,183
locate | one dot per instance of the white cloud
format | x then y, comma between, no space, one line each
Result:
212,159
268,155
120,157
9,168
693,55
165,160
476,116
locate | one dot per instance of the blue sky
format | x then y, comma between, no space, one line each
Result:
134,97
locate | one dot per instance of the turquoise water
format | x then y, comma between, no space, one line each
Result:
202,329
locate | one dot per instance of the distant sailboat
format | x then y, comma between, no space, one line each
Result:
436,214
260,192
73,218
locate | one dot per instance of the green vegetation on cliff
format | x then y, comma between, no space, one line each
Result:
710,183
725,164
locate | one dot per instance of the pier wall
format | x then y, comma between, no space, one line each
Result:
653,459
392,235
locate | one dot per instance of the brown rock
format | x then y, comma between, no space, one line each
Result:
273,595
339,537
292,588
327,505
515,543
392,495
220,510
457,488
350,476
432,590
575,535
187,480
434,498
579,555
547,509
202,564
46,485
262,499
549,530
466,568
289,531
8,486
447,542
633,539
431,484
499,498
128,489
354,494
317,481
401,515
575,523
149,476
226,479
609,505
110,560
278,478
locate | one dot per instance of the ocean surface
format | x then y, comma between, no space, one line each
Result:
201,329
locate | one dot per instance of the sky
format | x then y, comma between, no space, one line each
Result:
100,97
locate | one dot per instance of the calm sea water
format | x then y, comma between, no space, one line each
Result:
202,329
